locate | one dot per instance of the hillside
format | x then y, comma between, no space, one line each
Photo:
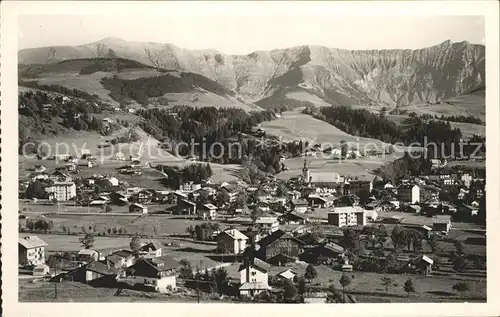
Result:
119,81
390,78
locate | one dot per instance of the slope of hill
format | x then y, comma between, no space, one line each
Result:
117,80
391,78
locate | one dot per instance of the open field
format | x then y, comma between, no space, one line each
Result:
294,126
361,167
428,288
467,129
79,292
469,104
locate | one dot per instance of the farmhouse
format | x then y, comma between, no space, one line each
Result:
207,211
59,176
189,187
299,205
157,274
135,207
31,250
409,193
441,223
254,277
151,249
231,241
87,255
279,248
287,274
269,223
121,259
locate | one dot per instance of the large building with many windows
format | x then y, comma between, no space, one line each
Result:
347,216
31,250
62,191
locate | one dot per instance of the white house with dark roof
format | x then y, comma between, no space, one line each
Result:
231,241
31,250
254,277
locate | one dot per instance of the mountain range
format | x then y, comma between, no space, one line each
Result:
394,78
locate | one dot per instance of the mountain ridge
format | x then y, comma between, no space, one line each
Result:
380,78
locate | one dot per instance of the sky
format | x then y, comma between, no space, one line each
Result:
244,33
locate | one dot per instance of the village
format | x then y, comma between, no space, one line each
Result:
317,237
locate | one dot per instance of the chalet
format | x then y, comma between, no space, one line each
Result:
279,248
324,253
186,207
39,168
137,208
423,229
31,250
87,255
144,196
207,211
95,273
465,210
409,193
287,275
268,223
59,176
441,223
358,188
294,194
232,190
422,264
113,182
132,190
151,249
61,157
231,241
121,259
299,205
294,218
371,215
189,187
316,201
158,274
254,277
413,209
118,198
41,270
347,216
120,156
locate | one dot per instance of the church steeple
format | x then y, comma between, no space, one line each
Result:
305,172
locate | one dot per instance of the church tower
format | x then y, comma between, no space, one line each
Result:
305,172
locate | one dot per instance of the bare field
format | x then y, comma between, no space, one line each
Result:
294,126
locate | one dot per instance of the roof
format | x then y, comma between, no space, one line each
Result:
415,207
101,268
298,202
87,252
235,234
254,286
297,215
209,206
31,242
334,247
425,258
163,263
258,264
407,186
266,220
287,274
347,209
325,177
442,219
153,243
138,205
275,236
123,253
